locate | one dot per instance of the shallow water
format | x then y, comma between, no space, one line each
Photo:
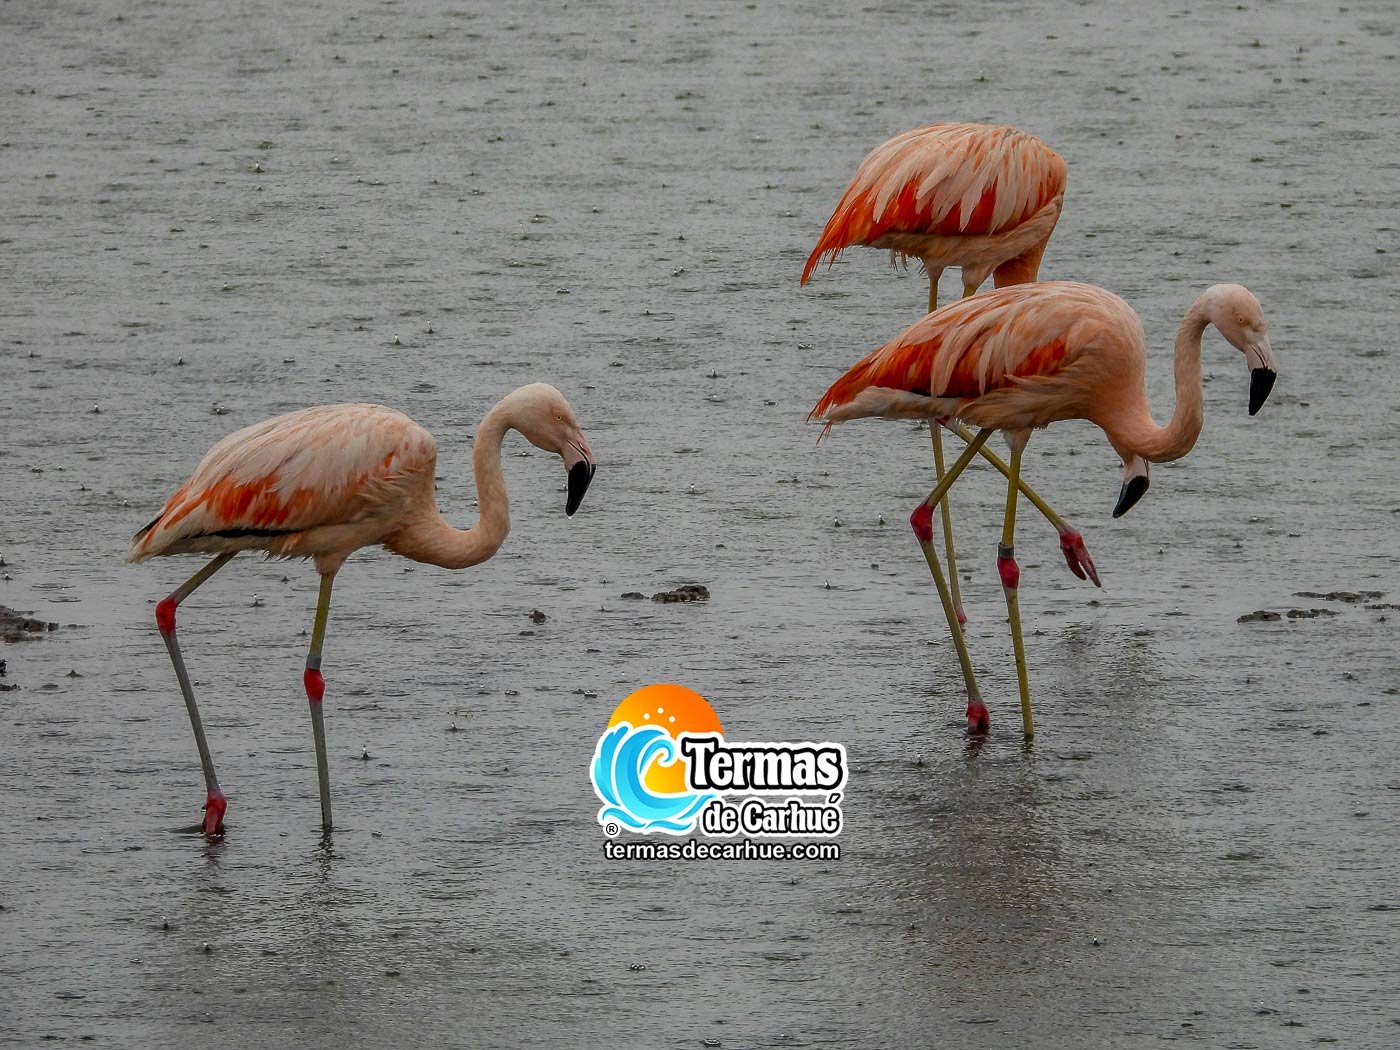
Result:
1201,845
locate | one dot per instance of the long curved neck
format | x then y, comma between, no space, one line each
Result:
1138,433
431,539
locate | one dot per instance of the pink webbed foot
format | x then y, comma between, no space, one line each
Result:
214,809
1077,556
979,721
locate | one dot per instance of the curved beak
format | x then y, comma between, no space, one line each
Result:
1134,485
578,461
1262,373
1261,381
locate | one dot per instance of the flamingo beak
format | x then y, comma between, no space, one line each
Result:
580,474
1262,373
578,461
1261,381
1134,485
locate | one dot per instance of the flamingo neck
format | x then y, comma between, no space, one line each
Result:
434,541
1139,434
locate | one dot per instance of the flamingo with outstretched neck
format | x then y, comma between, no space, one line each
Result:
980,197
322,483
1026,356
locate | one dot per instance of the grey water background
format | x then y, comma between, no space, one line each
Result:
261,206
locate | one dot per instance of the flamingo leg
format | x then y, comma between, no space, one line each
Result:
945,510
945,506
1071,539
1010,574
215,804
922,523
315,690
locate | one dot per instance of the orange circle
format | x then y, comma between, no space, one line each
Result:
675,709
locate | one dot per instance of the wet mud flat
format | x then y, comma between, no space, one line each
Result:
218,214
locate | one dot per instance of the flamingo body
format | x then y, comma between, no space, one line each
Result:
1011,359
320,482
972,195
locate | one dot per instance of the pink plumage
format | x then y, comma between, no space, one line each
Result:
279,484
1011,358
972,195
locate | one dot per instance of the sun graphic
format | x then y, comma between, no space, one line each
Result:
675,709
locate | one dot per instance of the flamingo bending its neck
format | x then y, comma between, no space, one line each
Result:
1026,356
323,482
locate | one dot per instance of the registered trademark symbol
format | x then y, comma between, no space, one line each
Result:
610,829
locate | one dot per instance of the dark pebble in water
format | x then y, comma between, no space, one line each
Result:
1258,614
538,617
686,592
1309,614
635,596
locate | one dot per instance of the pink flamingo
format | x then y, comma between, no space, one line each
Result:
977,196
1023,357
323,482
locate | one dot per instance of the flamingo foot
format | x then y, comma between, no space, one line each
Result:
1077,556
214,815
979,721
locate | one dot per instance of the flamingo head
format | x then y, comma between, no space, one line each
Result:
548,422
1233,310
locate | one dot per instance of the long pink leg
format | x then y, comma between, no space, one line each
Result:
315,690
216,803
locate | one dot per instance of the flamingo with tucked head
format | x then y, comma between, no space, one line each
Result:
322,483
1026,356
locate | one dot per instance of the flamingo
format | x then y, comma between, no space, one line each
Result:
977,196
323,482
1023,357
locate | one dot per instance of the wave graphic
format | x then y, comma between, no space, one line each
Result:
620,763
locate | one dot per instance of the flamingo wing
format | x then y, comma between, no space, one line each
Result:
329,465
1029,338
945,179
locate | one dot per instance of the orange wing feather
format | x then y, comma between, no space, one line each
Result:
329,465
995,341
945,179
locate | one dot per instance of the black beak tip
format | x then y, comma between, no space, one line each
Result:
1261,381
1129,494
580,474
